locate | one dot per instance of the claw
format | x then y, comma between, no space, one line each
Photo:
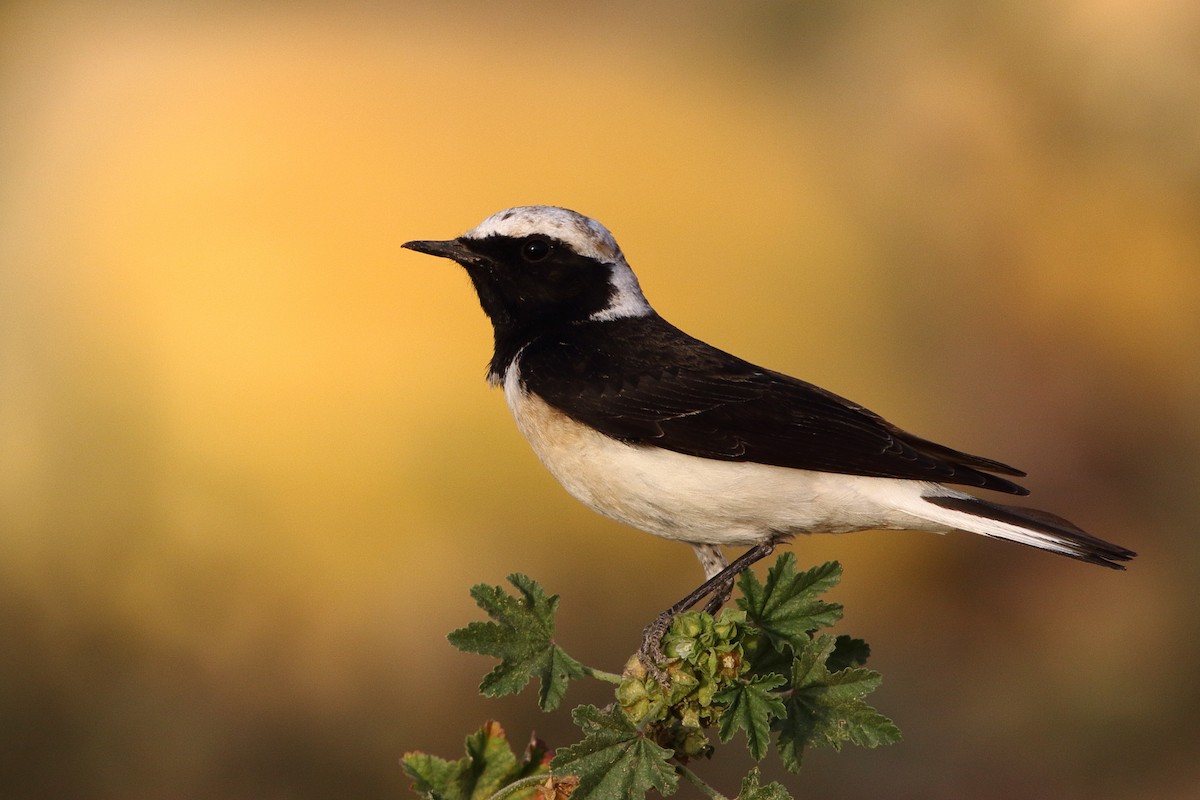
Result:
717,589
651,653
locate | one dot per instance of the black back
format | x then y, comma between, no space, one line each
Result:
643,381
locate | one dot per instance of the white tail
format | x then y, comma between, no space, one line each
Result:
1027,526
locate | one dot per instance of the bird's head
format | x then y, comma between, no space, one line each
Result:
540,266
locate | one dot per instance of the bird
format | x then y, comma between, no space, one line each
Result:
666,433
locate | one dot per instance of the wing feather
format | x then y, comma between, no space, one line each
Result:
676,392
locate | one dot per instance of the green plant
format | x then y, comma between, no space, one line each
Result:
763,669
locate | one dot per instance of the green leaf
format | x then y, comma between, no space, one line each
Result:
434,777
848,652
751,790
750,705
522,637
827,709
787,607
488,767
614,761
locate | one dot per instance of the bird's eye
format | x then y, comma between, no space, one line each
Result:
535,249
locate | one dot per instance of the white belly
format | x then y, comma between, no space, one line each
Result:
699,500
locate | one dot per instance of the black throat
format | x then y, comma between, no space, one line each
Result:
509,342
527,299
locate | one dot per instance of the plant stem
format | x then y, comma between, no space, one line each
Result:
601,675
699,783
517,786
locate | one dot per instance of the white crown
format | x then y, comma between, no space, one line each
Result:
583,235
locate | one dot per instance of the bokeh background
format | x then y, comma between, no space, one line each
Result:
249,467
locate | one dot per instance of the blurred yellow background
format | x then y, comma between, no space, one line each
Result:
249,467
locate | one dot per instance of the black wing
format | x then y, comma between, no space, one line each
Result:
641,380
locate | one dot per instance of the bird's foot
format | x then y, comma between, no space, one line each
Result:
651,653
717,589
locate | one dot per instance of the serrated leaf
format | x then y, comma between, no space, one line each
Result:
827,709
809,666
491,758
788,606
522,637
488,766
435,778
749,705
848,652
751,790
866,727
614,761
848,684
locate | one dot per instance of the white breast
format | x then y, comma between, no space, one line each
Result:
699,500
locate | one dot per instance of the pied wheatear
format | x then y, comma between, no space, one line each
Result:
659,430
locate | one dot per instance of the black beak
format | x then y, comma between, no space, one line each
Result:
452,249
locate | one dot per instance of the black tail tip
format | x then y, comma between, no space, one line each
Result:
1069,539
1110,557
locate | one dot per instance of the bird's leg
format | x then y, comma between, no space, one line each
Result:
719,598
712,559
719,586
